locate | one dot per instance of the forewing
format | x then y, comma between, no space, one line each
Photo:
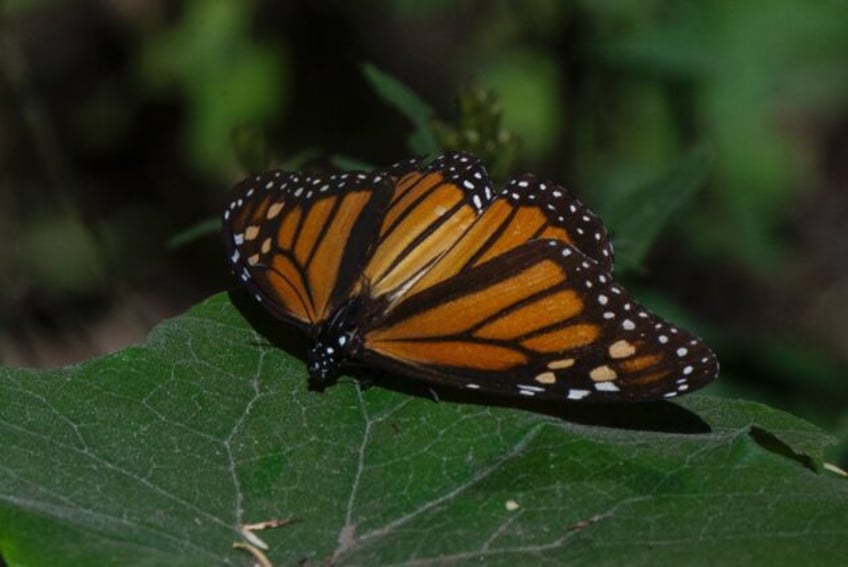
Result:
300,243
544,320
543,209
429,211
528,208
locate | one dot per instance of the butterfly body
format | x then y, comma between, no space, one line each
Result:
430,273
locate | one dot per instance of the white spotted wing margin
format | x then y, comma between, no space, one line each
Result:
569,333
562,210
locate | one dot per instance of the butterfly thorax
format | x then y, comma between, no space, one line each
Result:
336,343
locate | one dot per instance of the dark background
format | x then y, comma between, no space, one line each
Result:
117,121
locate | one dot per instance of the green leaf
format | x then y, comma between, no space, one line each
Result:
423,140
157,453
298,161
198,230
347,163
637,217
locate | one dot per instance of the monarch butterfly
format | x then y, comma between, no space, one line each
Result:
428,272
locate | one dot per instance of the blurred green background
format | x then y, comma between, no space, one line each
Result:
712,137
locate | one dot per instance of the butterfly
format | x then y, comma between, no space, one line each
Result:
428,271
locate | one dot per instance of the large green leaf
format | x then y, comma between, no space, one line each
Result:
157,453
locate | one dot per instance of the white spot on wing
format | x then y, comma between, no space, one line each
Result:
578,394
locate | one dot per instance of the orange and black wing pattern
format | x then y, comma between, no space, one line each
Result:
429,272
540,320
526,209
299,243
430,210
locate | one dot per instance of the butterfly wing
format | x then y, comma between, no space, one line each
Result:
538,208
528,208
303,244
430,209
541,319
300,243
522,302
433,208
509,294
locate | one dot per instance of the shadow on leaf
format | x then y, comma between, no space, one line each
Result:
770,442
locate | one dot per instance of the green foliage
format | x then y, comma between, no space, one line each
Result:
422,141
637,216
527,84
478,130
347,163
741,70
60,253
228,80
250,145
201,229
10,7
421,7
157,453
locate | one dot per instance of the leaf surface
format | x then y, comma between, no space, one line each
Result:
158,453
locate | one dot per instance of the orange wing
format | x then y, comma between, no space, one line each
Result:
541,319
445,215
300,243
430,210
527,209
304,244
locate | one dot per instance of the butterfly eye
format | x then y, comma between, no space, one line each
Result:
432,273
